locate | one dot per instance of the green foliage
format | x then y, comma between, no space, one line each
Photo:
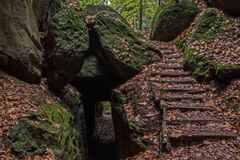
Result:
130,9
50,128
84,3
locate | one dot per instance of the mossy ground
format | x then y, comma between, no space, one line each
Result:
50,128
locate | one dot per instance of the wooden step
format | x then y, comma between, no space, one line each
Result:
192,120
174,74
172,55
169,60
167,52
184,97
201,136
185,90
187,108
177,81
171,66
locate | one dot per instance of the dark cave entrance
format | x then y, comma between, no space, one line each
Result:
100,133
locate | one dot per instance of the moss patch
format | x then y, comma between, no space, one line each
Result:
52,128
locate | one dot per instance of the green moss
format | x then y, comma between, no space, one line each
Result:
205,69
122,43
51,128
68,26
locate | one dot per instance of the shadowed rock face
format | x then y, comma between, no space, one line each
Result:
44,11
173,18
230,6
67,44
20,49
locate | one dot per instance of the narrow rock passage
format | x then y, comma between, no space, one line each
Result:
185,117
103,147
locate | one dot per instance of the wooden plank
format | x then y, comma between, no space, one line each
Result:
192,120
174,74
178,98
185,90
176,81
187,108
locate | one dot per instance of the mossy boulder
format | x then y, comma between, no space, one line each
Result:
172,18
20,49
51,128
67,43
123,51
229,6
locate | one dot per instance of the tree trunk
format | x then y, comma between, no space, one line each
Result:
141,15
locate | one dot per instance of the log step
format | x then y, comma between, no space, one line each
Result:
177,81
172,60
172,55
201,136
192,120
169,52
185,90
172,66
187,108
177,98
174,74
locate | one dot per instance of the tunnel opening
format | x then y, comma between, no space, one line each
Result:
102,145
100,132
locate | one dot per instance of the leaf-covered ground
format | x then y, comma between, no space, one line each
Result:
17,99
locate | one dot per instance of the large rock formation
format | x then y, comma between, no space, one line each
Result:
123,51
172,18
67,43
20,49
229,6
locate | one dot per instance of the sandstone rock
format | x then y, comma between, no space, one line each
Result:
20,49
67,43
